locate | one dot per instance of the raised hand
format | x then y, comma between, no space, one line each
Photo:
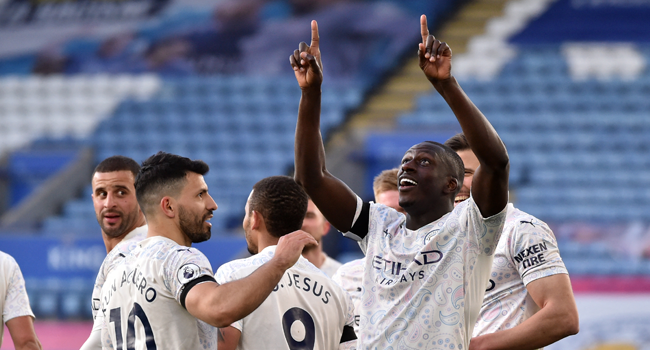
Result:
435,56
290,248
306,61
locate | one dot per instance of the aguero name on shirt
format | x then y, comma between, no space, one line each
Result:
134,279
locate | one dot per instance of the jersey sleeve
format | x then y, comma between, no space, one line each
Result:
359,229
371,219
94,341
184,270
16,301
535,252
228,273
99,282
484,231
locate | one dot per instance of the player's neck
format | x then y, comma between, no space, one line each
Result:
111,242
315,255
265,240
419,217
168,230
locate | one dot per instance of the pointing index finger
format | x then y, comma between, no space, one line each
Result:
424,29
314,34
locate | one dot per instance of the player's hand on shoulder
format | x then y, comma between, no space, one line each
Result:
290,248
306,62
435,56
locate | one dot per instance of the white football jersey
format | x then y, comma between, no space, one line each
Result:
114,257
330,266
349,277
527,251
142,300
306,310
13,296
423,289
119,252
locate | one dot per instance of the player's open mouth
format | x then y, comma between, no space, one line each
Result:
460,198
405,183
112,218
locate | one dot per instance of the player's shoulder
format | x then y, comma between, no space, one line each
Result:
460,210
352,270
240,268
522,221
351,267
243,263
385,213
7,260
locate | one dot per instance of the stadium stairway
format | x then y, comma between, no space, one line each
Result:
398,94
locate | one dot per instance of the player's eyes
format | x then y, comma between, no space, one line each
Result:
424,162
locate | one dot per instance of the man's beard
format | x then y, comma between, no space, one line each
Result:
251,249
193,225
117,231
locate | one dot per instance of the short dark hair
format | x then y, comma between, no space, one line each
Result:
117,163
385,181
458,142
281,202
452,160
164,174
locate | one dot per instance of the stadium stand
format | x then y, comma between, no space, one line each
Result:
577,133
140,90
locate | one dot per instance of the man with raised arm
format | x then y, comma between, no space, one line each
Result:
167,285
528,303
425,272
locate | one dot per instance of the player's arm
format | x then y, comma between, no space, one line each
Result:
22,333
332,197
94,340
228,338
556,319
221,305
490,184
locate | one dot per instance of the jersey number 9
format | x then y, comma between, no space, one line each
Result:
299,329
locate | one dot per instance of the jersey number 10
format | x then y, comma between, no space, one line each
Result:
136,311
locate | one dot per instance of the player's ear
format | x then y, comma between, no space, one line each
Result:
452,185
168,206
256,220
326,227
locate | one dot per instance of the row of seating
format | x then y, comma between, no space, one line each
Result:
579,149
57,106
243,137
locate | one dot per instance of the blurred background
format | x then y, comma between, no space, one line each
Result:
565,83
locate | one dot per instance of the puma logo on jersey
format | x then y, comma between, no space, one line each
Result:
527,222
